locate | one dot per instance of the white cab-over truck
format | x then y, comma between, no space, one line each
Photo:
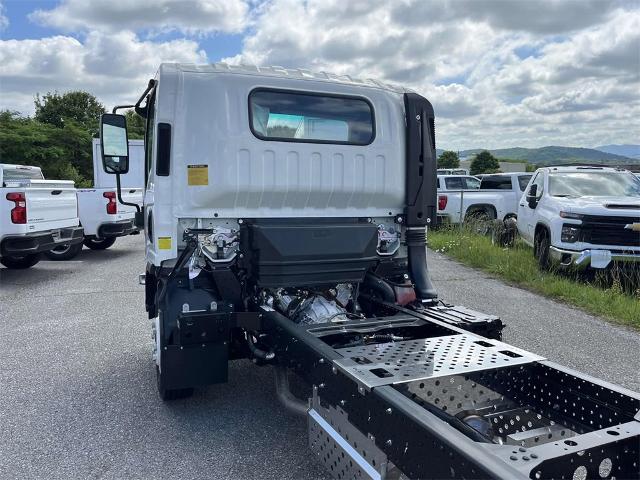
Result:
36,215
582,217
496,199
102,215
286,216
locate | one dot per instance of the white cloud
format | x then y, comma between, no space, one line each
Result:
187,16
115,67
4,21
498,73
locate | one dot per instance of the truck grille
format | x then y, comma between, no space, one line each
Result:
605,230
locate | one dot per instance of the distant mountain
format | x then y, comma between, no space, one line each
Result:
631,151
556,155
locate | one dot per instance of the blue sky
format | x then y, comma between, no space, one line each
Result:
500,73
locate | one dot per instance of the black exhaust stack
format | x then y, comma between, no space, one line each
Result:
420,210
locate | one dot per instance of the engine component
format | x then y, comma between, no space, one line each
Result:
309,307
317,309
220,245
388,240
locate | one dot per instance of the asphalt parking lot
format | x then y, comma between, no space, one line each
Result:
78,388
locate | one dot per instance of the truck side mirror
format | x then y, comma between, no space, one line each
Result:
114,143
532,199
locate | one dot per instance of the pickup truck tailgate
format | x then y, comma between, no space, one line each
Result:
130,195
51,201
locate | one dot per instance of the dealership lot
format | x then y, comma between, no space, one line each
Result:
78,387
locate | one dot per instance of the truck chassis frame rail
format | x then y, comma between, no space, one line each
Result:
426,399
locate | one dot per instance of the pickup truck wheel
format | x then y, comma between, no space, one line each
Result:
167,394
20,263
503,234
95,243
541,251
64,252
479,221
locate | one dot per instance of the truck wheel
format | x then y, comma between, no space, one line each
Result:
503,234
64,252
95,243
479,222
20,263
541,250
167,394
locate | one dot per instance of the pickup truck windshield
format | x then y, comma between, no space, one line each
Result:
22,174
593,184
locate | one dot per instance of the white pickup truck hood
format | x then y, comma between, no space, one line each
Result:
601,205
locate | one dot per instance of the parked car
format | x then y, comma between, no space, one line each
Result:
457,182
36,215
581,217
496,199
103,217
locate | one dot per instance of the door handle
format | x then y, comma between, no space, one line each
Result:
522,204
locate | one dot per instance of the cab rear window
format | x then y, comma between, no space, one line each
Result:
306,117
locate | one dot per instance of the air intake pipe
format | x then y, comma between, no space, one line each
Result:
418,270
421,191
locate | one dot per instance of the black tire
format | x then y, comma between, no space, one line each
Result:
64,252
20,263
479,221
541,250
503,234
167,394
95,243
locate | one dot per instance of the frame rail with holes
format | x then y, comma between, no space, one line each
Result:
541,420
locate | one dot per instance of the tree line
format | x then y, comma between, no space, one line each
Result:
482,162
58,137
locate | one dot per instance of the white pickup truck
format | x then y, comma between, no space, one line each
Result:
581,217
103,217
36,215
497,198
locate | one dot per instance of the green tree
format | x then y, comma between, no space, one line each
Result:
81,107
484,162
448,159
135,124
62,153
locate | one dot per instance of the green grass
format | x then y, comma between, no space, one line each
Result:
517,266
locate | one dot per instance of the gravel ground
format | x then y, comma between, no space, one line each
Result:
78,388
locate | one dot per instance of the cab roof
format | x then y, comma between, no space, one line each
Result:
275,71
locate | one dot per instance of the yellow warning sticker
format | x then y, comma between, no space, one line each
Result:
164,243
198,175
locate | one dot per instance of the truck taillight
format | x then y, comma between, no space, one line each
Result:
19,211
112,205
442,202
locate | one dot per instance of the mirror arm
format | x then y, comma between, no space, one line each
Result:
142,111
119,193
118,107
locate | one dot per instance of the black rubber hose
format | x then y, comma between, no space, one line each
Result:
290,402
417,253
257,352
382,288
